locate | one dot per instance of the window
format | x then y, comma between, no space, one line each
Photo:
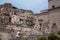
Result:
40,20
40,26
21,19
10,19
53,6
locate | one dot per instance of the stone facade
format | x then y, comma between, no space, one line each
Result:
30,25
54,3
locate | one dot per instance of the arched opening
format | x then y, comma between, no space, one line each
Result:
53,6
54,28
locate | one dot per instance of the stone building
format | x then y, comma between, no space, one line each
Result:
29,24
53,3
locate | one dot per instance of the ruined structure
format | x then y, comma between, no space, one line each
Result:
29,24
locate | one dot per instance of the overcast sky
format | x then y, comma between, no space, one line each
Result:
35,5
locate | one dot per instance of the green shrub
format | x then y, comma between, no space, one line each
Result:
58,32
42,38
52,37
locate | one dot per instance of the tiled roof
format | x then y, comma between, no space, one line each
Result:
53,8
46,11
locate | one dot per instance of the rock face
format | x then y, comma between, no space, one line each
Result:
12,18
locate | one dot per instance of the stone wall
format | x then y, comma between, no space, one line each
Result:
56,3
43,22
54,17
4,36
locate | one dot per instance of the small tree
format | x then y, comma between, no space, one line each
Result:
42,38
58,35
52,37
58,32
